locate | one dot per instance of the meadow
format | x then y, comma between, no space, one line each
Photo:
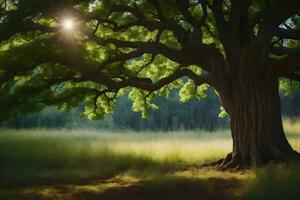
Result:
88,164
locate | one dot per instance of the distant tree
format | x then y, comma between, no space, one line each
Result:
172,115
93,51
291,105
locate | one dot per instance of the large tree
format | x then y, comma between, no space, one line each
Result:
68,52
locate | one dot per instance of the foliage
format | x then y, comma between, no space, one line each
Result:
115,46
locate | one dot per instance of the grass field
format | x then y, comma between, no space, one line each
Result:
83,164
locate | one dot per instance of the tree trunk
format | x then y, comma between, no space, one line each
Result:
256,125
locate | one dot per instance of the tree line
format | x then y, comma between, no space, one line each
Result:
172,115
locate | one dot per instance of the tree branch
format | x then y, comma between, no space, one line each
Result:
126,8
156,4
292,76
286,65
287,33
204,52
281,51
217,10
184,7
140,49
272,18
149,86
205,13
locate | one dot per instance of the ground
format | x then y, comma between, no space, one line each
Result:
71,165
188,184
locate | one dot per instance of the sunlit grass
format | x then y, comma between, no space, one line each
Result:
292,130
43,153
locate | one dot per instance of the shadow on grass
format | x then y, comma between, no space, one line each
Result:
276,182
105,165
173,188
29,159
166,187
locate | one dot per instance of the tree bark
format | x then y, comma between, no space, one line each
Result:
256,125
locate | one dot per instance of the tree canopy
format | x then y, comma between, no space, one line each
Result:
143,46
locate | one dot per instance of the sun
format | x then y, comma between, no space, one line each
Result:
68,24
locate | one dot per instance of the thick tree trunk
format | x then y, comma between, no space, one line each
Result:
256,125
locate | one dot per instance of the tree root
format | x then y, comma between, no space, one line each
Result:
225,164
213,164
234,163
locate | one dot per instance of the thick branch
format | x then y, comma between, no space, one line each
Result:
239,23
178,31
206,54
280,51
273,17
184,7
149,86
162,24
292,76
239,10
287,33
126,8
218,15
140,48
286,65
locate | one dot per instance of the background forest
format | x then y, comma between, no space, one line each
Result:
172,115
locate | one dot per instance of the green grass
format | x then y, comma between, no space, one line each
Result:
40,154
275,182
83,164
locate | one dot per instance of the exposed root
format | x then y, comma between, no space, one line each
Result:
213,164
231,163
234,163
231,166
226,164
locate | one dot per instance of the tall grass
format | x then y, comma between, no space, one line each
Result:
49,155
